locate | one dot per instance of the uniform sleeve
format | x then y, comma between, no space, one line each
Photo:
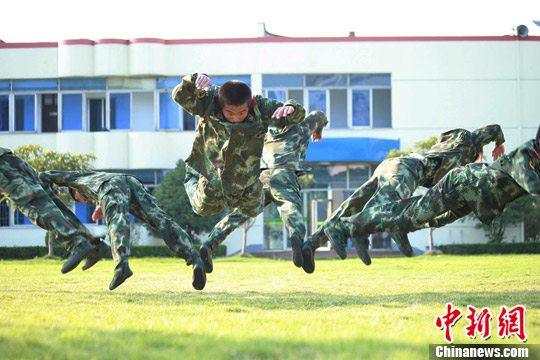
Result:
487,134
60,178
269,106
195,101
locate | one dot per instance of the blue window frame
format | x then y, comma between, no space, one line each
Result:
5,85
72,112
289,81
25,117
21,219
83,84
36,85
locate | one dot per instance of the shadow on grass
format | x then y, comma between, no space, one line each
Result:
58,342
305,300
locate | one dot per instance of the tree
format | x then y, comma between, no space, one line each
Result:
173,199
45,160
245,228
420,147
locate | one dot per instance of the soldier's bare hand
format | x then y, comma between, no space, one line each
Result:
316,137
202,82
97,214
497,152
283,111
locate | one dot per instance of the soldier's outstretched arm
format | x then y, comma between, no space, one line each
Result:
278,114
194,93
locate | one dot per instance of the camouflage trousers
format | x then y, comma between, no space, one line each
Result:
207,199
20,183
462,191
281,187
393,179
124,195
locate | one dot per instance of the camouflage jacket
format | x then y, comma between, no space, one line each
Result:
228,155
87,183
494,187
458,147
287,147
4,151
523,165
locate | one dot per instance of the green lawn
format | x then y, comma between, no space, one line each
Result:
257,308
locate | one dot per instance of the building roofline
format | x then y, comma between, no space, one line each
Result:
280,39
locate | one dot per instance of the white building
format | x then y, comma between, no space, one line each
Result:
111,97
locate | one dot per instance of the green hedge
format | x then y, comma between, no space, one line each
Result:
502,248
30,252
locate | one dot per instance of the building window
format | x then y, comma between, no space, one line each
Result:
25,117
353,100
361,108
4,214
72,112
21,219
4,112
120,111
143,111
49,113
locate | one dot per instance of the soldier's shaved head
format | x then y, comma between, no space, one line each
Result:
235,93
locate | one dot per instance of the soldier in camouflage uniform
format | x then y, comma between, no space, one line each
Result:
20,183
224,165
118,195
484,190
396,179
283,161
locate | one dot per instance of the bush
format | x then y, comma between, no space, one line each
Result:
30,252
492,248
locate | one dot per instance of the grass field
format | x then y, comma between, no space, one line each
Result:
257,308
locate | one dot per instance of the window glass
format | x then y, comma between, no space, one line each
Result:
189,121
4,214
169,112
296,95
131,83
382,114
361,108
21,219
25,113
326,80
49,113
27,85
278,95
338,109
358,175
72,112
120,111
4,113
143,111
168,82
283,81
5,85
370,80
317,100
83,84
